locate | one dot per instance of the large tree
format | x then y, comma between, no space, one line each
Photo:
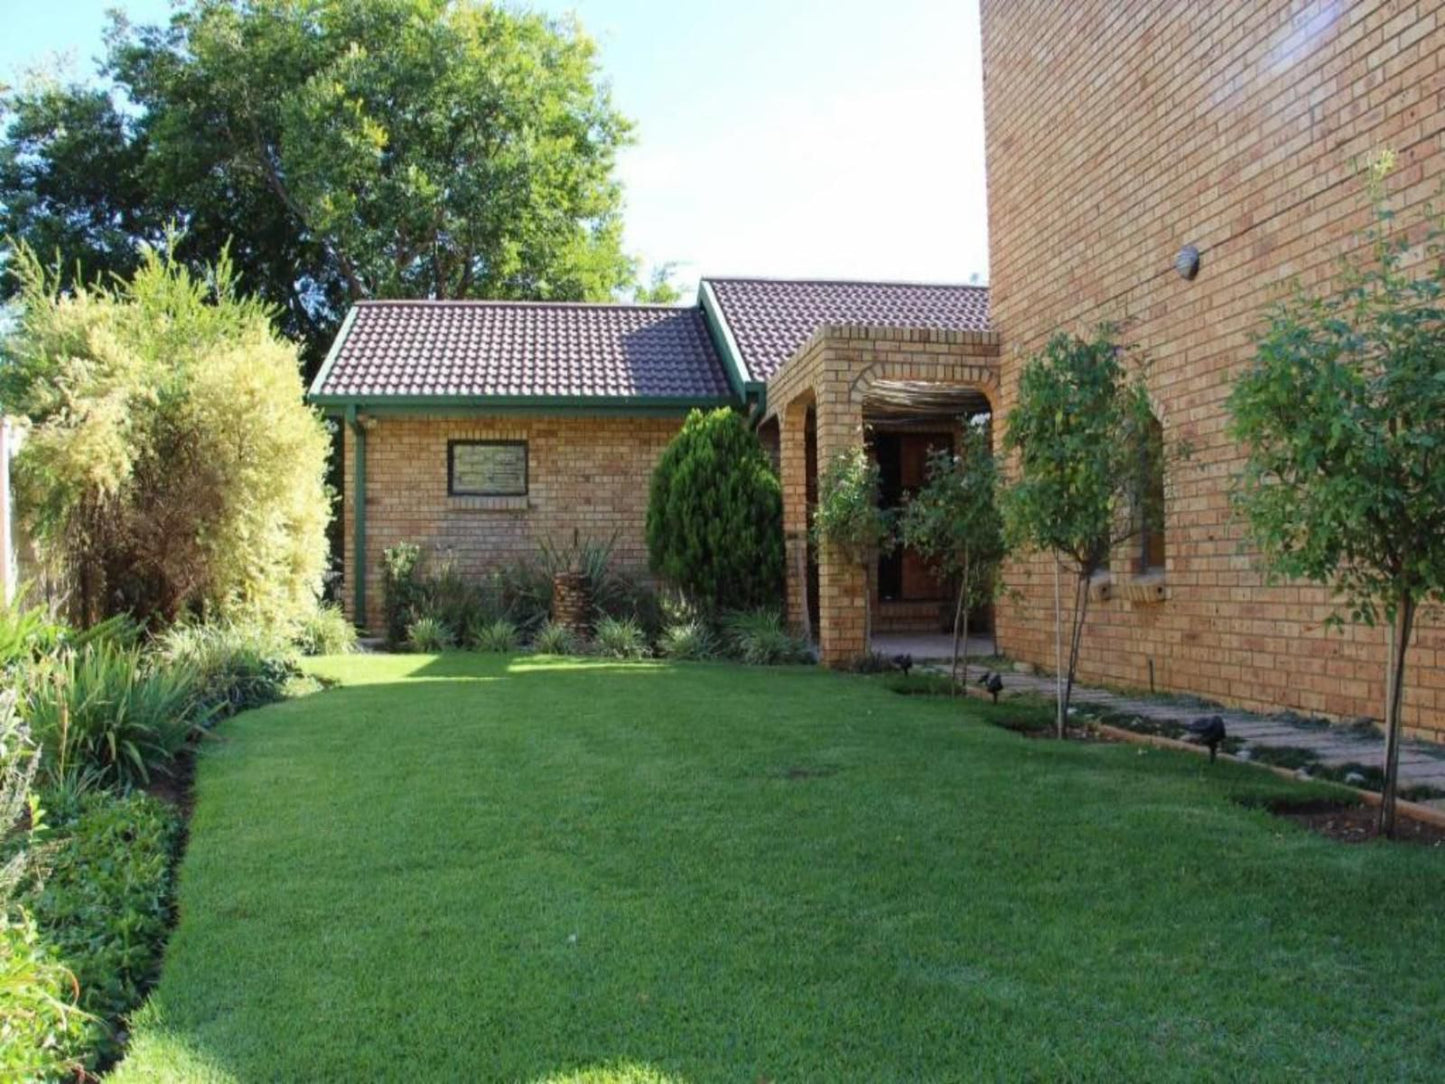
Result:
345,148
1342,415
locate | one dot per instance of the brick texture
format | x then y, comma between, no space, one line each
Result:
588,475
830,376
1118,132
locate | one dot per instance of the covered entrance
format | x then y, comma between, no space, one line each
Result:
903,393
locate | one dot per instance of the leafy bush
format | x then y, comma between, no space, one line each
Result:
103,714
760,638
715,514
42,1030
554,639
620,638
690,639
104,905
401,590
499,636
327,631
430,635
171,465
43,1034
237,665
525,588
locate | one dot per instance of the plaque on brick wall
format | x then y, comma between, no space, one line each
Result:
487,468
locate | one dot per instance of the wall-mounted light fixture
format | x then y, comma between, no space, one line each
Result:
1187,262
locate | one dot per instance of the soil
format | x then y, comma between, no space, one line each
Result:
1356,823
1031,729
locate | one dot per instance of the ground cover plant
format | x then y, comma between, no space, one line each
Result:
536,869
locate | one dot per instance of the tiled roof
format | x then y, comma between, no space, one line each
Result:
467,349
771,318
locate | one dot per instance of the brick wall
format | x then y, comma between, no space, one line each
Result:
1118,132
831,374
588,475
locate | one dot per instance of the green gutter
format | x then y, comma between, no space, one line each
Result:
602,405
358,517
727,346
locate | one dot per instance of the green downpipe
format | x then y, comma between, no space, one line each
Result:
358,518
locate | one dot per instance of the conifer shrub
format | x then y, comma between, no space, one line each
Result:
715,515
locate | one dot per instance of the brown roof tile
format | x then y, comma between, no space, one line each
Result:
771,318
468,349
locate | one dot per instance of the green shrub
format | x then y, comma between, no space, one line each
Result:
715,514
105,903
43,1033
44,1036
27,633
171,465
429,635
687,640
500,636
328,631
401,590
104,714
554,639
620,638
238,665
760,638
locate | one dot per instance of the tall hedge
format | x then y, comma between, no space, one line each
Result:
171,465
715,515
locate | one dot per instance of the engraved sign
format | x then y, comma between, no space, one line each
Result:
487,468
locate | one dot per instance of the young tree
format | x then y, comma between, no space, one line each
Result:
171,465
1080,432
848,519
954,521
715,515
1342,415
342,149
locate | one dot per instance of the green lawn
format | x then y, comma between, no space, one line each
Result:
477,868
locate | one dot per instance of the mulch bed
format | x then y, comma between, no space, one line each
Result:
1356,823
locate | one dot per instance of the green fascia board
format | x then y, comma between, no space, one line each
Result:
584,405
727,346
332,354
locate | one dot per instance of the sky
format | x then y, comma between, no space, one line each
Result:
802,138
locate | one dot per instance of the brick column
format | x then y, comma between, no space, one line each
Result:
841,584
793,473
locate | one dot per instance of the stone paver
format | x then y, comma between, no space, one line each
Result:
1421,764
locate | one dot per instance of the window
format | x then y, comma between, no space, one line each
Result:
1150,506
487,468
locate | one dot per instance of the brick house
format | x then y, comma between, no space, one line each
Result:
481,429
1117,134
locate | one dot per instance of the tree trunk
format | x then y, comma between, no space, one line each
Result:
960,617
1400,629
867,608
1076,637
1058,651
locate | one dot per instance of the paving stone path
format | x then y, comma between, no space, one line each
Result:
1421,764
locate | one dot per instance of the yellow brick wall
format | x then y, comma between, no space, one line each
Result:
586,474
832,373
1116,133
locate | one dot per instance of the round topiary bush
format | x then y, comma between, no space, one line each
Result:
715,515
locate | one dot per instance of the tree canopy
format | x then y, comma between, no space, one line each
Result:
344,149
1342,415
